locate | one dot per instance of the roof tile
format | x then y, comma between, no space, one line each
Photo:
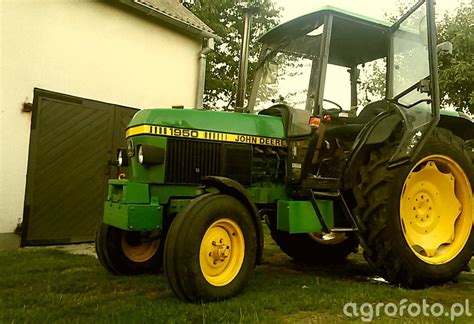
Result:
175,10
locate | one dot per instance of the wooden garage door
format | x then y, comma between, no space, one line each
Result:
73,144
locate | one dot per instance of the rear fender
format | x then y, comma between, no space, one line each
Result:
460,126
376,131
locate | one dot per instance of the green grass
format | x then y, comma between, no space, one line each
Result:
45,285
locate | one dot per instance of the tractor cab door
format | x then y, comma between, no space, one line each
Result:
412,84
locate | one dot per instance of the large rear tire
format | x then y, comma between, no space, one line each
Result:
210,249
415,222
128,253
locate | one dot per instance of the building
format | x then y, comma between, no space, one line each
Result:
84,57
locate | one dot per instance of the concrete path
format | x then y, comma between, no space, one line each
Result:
82,249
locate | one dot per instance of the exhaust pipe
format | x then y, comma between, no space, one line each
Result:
244,59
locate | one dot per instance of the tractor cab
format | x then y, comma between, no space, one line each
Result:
298,57
314,63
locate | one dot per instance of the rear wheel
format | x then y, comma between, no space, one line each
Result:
314,248
416,221
211,249
129,253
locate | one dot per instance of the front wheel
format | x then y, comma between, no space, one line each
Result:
211,249
129,253
416,222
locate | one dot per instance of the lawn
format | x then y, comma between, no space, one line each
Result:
46,285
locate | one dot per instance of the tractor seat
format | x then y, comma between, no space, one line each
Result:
370,111
345,132
350,131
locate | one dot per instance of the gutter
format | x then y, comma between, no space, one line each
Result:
184,26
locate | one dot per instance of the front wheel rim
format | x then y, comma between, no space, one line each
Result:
137,249
436,209
222,252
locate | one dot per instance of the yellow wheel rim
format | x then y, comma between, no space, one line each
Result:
436,209
136,250
222,252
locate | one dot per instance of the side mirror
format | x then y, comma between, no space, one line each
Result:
445,48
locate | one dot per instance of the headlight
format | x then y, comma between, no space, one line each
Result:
130,148
122,157
140,154
150,154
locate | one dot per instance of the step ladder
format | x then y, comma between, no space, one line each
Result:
336,197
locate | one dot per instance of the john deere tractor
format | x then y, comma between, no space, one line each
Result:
394,177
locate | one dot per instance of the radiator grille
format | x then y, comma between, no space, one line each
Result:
188,161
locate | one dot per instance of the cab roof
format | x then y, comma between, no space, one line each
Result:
355,38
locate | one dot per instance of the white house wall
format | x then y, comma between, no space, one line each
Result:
87,49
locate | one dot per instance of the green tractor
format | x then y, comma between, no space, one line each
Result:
396,178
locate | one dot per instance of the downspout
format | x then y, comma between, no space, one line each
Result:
157,13
202,72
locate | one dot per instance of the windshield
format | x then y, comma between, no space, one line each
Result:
410,57
285,79
284,73
410,79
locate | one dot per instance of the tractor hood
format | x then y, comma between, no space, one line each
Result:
157,121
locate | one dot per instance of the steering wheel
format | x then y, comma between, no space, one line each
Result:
332,110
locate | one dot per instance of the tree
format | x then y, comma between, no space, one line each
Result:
372,82
456,72
225,18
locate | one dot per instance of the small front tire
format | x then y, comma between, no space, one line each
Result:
128,253
211,249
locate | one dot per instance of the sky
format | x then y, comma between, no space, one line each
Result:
371,8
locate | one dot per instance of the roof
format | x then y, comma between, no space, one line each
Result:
355,38
317,14
173,12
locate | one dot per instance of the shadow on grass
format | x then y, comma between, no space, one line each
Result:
354,268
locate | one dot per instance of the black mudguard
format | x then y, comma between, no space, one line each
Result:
462,127
233,188
381,128
376,131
